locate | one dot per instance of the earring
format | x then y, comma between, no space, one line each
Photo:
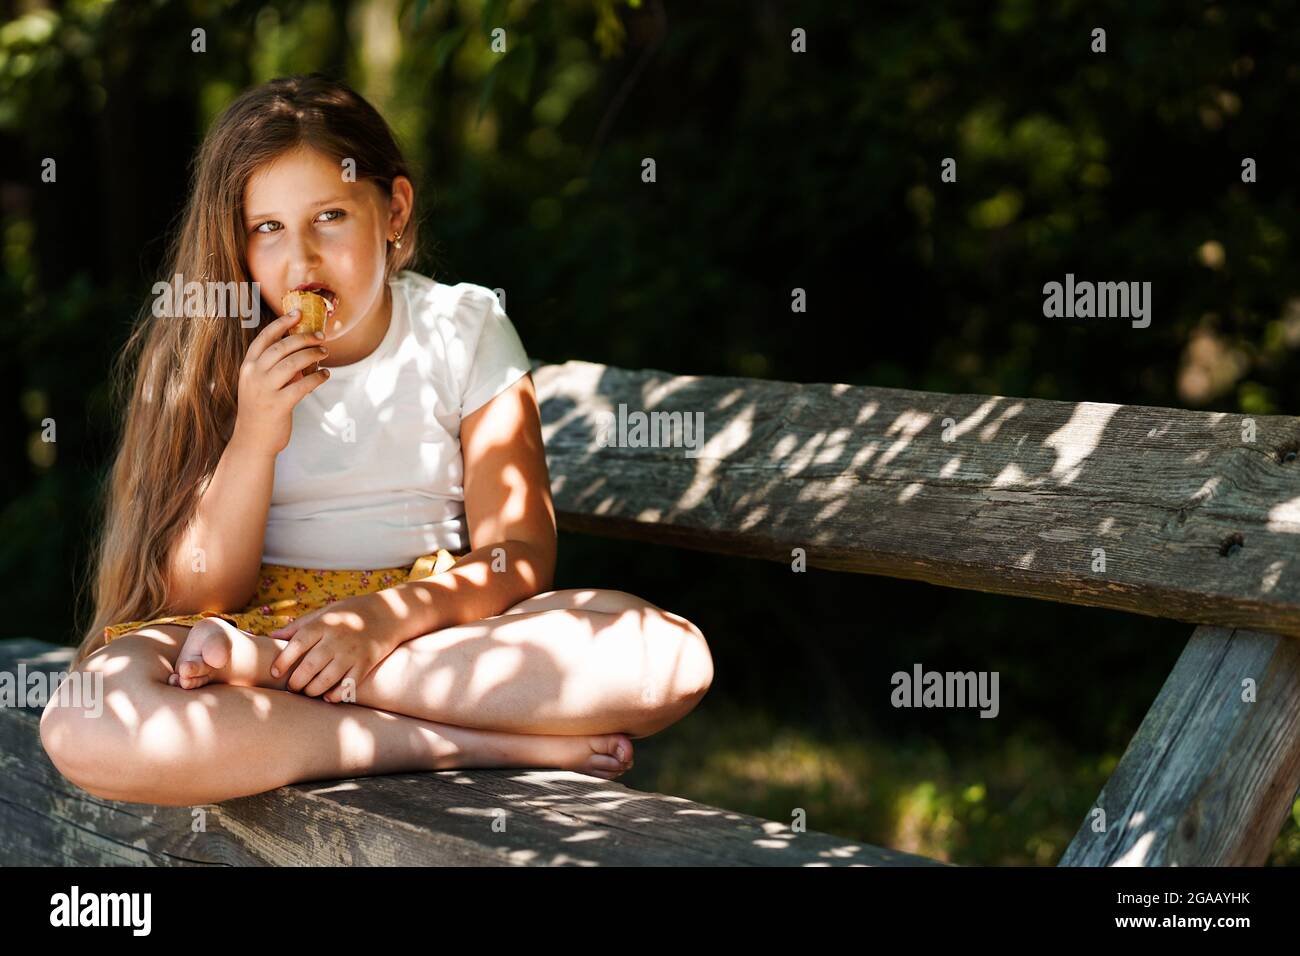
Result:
396,240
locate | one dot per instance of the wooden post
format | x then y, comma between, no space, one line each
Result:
1211,773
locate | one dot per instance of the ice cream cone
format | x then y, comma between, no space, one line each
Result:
312,307
312,314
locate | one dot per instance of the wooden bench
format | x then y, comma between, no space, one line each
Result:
419,819
1156,511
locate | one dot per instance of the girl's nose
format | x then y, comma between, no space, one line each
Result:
305,251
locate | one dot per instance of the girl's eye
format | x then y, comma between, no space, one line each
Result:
333,214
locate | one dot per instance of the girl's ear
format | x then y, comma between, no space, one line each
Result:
400,205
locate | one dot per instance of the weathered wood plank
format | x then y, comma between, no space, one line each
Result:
546,818
1195,523
1209,777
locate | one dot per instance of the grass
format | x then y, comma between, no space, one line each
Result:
1019,805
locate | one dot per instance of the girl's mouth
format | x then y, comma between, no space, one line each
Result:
325,292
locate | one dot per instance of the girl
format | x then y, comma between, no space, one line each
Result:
307,575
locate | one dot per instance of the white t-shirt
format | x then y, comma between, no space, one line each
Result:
372,476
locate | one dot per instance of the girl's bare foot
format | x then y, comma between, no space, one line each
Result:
215,651
611,755
600,755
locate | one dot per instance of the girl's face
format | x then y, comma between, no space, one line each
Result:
308,226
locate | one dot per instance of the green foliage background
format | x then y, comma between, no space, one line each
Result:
775,171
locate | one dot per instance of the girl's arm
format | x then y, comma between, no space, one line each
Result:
510,515
214,564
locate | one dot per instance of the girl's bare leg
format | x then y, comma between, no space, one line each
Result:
155,743
563,662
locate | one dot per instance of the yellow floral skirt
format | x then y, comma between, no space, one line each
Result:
284,594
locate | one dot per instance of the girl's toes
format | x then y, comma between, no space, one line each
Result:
620,748
611,753
216,650
189,674
191,668
202,658
604,766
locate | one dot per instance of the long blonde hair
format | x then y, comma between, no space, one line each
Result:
177,379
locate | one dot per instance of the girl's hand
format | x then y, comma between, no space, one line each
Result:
341,640
271,383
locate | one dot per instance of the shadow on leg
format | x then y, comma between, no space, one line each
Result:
561,662
154,743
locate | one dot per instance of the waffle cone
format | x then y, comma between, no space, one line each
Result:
312,307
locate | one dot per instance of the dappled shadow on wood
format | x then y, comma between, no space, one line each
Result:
1157,511
561,818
